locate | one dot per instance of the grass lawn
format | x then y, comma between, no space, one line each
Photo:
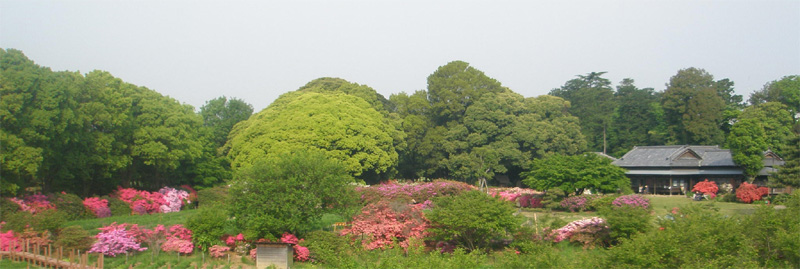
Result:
145,221
661,204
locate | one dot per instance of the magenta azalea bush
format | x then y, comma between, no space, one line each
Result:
575,203
141,202
97,206
115,239
33,204
530,201
633,200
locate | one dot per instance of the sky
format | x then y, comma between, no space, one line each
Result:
195,51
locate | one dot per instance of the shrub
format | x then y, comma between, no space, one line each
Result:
775,234
141,202
603,201
173,198
287,194
384,223
472,219
47,220
626,221
574,203
218,251
8,239
748,193
117,206
552,198
74,237
417,192
632,200
98,206
213,196
530,201
332,250
207,226
691,237
70,204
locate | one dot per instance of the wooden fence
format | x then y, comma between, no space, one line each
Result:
49,257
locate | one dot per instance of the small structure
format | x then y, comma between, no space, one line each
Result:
675,169
279,255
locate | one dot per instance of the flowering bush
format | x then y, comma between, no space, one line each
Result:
530,201
289,238
301,253
178,245
35,238
231,240
706,187
588,232
98,206
574,203
113,240
521,195
33,203
632,200
141,202
218,251
253,253
383,224
748,193
8,239
417,192
174,199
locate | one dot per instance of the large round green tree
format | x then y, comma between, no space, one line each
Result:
342,126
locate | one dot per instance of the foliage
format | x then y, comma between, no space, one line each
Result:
332,250
774,233
587,232
632,200
115,239
385,224
603,201
626,221
214,196
785,90
706,187
207,226
748,193
48,220
74,237
221,114
117,206
789,173
747,144
592,100
286,194
97,206
636,121
553,197
574,174
689,237
472,219
341,126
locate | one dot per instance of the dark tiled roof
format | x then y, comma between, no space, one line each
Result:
677,156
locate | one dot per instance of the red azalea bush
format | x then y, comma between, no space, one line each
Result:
383,223
141,202
706,187
97,206
748,193
530,201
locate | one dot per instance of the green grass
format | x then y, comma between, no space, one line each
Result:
146,221
9,264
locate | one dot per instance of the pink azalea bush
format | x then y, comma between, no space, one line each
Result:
382,224
141,202
7,238
179,239
632,200
513,194
301,253
586,231
174,199
115,239
97,206
253,253
416,192
33,203
218,251
575,203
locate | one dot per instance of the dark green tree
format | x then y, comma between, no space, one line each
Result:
789,173
575,174
220,114
592,101
287,192
693,108
635,122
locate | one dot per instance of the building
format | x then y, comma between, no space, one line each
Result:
675,169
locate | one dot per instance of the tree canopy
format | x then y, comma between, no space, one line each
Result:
592,101
693,109
575,174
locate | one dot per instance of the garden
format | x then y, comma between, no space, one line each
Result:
333,222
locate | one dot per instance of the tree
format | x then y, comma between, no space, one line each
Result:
220,114
693,109
635,121
785,90
575,174
747,145
454,87
472,219
342,126
288,191
789,173
777,123
592,101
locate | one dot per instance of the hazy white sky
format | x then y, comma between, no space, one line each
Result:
195,51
